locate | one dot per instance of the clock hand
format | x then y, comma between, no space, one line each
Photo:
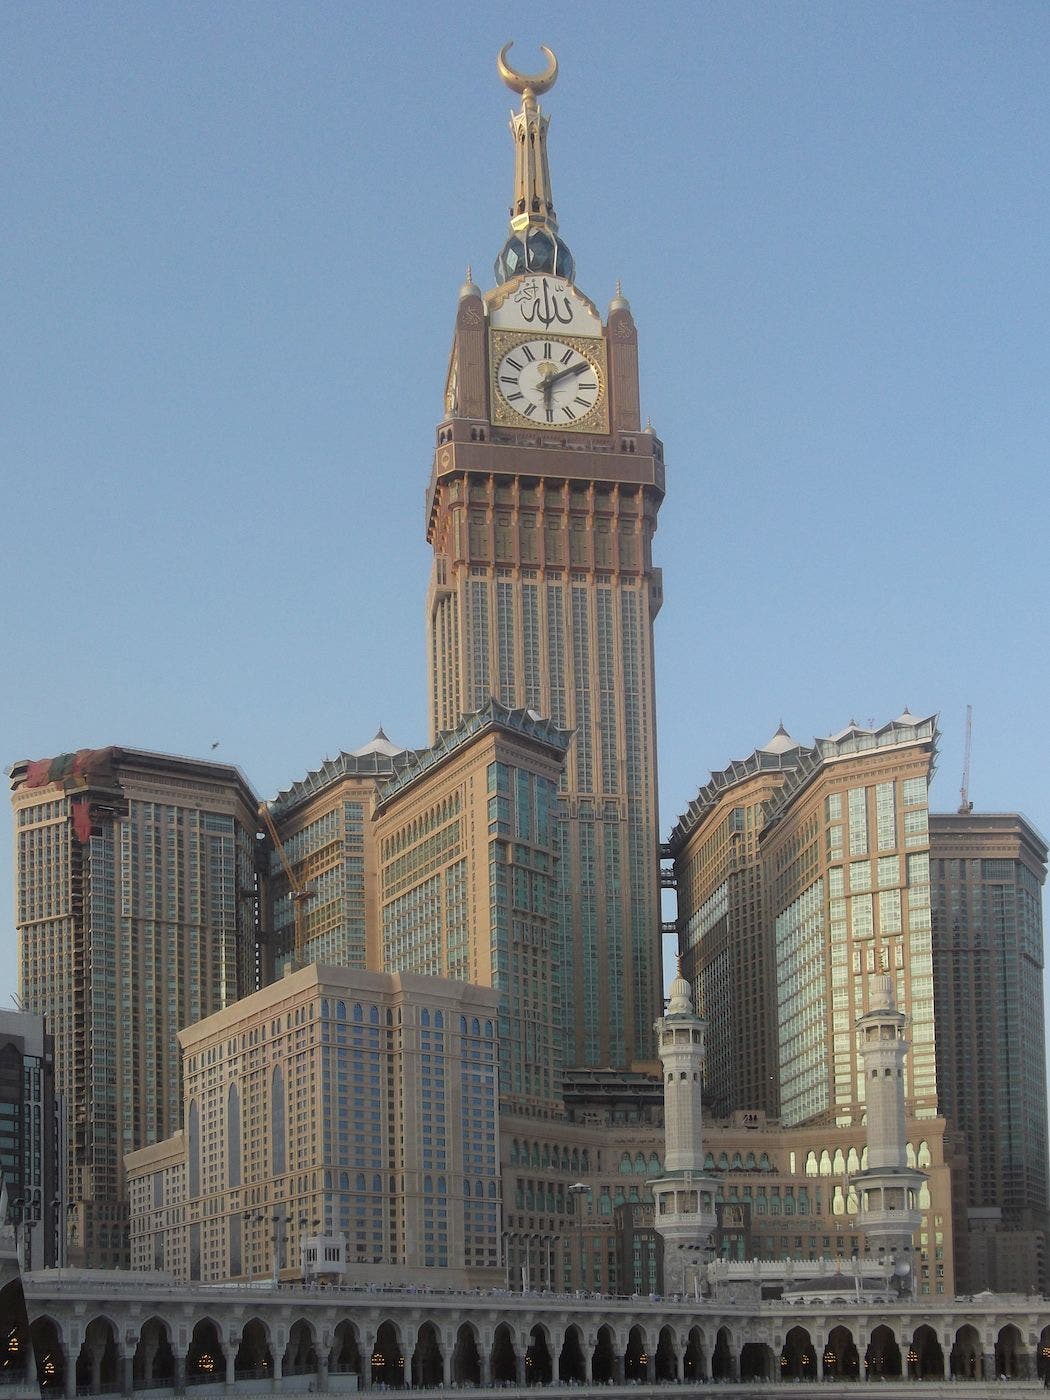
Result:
565,373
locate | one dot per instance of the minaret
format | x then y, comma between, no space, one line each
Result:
888,1188
684,1197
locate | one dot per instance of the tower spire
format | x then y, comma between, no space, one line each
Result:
533,244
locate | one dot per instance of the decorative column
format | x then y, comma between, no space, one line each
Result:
233,1342
589,1343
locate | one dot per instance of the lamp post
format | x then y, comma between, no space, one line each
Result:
578,1190
250,1219
279,1223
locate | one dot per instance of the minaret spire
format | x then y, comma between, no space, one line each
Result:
533,244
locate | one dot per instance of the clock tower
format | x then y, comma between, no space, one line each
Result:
541,511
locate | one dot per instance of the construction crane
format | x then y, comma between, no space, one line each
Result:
965,805
298,892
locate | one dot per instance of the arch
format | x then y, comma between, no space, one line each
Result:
757,1362
666,1364
925,1357
277,1117
254,1359
300,1355
964,1359
233,1136
723,1360
98,1365
428,1361
466,1356
636,1357
605,1361
695,1359
841,1359
1009,1352
504,1357
1042,1359
14,1336
798,1358
205,1356
539,1366
344,1356
572,1365
883,1356
193,1148
51,1359
154,1361
388,1360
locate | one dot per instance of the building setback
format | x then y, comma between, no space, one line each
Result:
135,908
987,874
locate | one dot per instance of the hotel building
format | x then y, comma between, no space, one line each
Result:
987,876
339,1122
135,908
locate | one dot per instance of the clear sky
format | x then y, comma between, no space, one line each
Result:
232,238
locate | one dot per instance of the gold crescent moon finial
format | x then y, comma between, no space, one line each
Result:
522,83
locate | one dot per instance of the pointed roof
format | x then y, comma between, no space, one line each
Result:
380,744
781,742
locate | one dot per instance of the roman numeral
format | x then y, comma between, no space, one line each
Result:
566,357
550,415
513,363
512,398
508,379
569,413
527,353
529,410
586,384
546,350
586,403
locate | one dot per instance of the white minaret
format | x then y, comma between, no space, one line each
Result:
888,1188
684,1198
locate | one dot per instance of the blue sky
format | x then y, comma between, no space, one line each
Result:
232,240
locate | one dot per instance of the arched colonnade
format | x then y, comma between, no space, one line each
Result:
430,1348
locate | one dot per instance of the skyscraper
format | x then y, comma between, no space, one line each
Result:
846,868
135,907
541,511
29,1139
987,873
721,934
324,823
800,872
466,837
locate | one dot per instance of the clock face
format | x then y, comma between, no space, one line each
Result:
547,381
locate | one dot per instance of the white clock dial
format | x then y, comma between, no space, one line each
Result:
547,381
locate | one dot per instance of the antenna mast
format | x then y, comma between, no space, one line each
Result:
965,805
